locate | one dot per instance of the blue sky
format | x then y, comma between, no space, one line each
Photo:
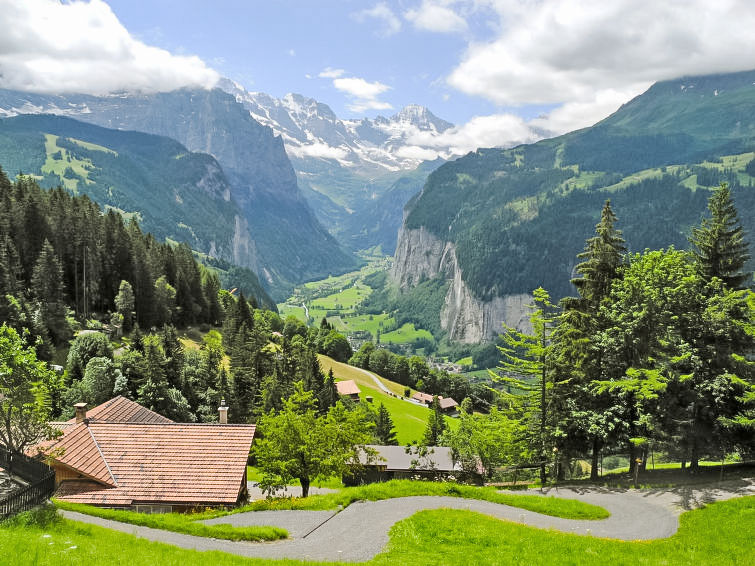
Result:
282,46
504,71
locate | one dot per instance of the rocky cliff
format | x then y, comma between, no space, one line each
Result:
421,255
277,234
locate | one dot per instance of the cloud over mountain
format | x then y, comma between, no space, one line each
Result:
49,46
591,55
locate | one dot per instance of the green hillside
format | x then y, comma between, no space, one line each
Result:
175,194
409,419
519,216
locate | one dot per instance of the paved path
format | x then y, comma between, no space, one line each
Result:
360,531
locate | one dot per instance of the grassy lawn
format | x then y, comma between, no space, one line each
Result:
719,534
369,322
409,419
566,508
407,333
179,523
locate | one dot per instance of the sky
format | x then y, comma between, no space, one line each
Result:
503,71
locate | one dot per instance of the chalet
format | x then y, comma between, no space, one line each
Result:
425,398
348,389
447,404
123,455
394,462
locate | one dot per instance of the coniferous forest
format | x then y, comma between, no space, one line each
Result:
68,269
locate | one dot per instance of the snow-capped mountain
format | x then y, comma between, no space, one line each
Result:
310,129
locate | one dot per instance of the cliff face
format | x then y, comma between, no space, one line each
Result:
276,235
421,255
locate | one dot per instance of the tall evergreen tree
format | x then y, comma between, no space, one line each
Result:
436,425
47,287
578,356
719,243
384,431
525,367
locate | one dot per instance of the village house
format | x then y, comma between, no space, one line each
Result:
349,389
122,455
447,404
395,462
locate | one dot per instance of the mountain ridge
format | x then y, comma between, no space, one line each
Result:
514,219
291,246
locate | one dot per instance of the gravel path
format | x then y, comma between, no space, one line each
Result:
360,531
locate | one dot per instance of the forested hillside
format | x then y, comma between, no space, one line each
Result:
60,257
173,192
281,239
517,217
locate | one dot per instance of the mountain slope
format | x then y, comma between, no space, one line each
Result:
498,223
291,246
345,166
174,193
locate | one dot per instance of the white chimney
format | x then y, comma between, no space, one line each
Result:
223,412
81,411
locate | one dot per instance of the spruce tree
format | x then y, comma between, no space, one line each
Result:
719,243
602,258
577,355
436,425
384,431
525,368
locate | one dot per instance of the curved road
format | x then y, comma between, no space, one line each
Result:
360,531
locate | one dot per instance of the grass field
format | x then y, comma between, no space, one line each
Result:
553,506
407,333
409,419
59,160
719,534
339,298
179,523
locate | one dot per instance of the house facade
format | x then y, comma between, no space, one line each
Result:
122,455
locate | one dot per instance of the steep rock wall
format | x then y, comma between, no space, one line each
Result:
421,255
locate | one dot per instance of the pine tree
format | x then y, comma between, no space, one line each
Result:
525,368
719,243
603,256
384,431
124,304
328,396
577,356
436,425
48,289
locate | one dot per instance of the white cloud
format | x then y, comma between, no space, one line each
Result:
318,150
330,73
364,94
497,130
49,46
418,153
390,24
591,55
292,53
436,16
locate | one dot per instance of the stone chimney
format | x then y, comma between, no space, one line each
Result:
81,412
223,410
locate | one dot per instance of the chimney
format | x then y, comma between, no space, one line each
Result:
81,411
223,412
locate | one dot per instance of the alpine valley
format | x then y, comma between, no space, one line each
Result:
492,226
289,190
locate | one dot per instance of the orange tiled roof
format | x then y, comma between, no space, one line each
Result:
122,410
348,387
155,462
